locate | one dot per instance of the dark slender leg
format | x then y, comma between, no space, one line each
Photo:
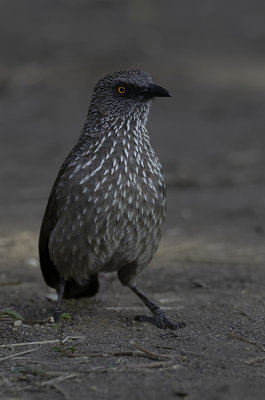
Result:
159,318
57,312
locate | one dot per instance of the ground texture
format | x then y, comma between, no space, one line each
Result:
101,352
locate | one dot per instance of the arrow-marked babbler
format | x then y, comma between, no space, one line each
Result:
107,205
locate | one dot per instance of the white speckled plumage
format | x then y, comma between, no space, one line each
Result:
122,233
109,197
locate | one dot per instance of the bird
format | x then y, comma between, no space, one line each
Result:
108,203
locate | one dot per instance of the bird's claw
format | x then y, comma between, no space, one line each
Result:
160,320
56,316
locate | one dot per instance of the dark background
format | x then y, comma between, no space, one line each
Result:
209,135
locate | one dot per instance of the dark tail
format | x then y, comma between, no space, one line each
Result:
72,289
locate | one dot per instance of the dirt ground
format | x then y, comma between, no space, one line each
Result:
216,288
209,270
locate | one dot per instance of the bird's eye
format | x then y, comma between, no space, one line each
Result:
121,89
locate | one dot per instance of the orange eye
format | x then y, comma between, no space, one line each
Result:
121,89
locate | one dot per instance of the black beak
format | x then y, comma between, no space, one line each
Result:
154,91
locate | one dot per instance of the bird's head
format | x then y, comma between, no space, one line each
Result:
126,94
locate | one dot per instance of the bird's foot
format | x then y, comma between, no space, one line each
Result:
160,320
57,315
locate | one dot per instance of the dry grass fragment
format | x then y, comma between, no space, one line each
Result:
20,353
242,339
59,379
41,342
255,360
151,355
142,352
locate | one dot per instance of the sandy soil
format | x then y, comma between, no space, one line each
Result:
209,270
216,288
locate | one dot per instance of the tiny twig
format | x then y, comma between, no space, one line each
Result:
17,354
72,338
59,379
255,360
153,356
242,339
107,354
142,352
41,342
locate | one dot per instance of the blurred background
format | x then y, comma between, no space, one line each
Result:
209,136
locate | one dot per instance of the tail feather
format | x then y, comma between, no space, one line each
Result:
72,289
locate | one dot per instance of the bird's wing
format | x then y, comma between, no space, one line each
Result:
49,272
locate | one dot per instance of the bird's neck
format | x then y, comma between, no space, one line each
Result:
103,121
111,135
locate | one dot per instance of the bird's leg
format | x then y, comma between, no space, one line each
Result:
159,318
57,312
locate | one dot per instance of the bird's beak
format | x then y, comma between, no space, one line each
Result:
154,91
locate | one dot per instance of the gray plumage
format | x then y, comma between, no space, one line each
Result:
107,206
